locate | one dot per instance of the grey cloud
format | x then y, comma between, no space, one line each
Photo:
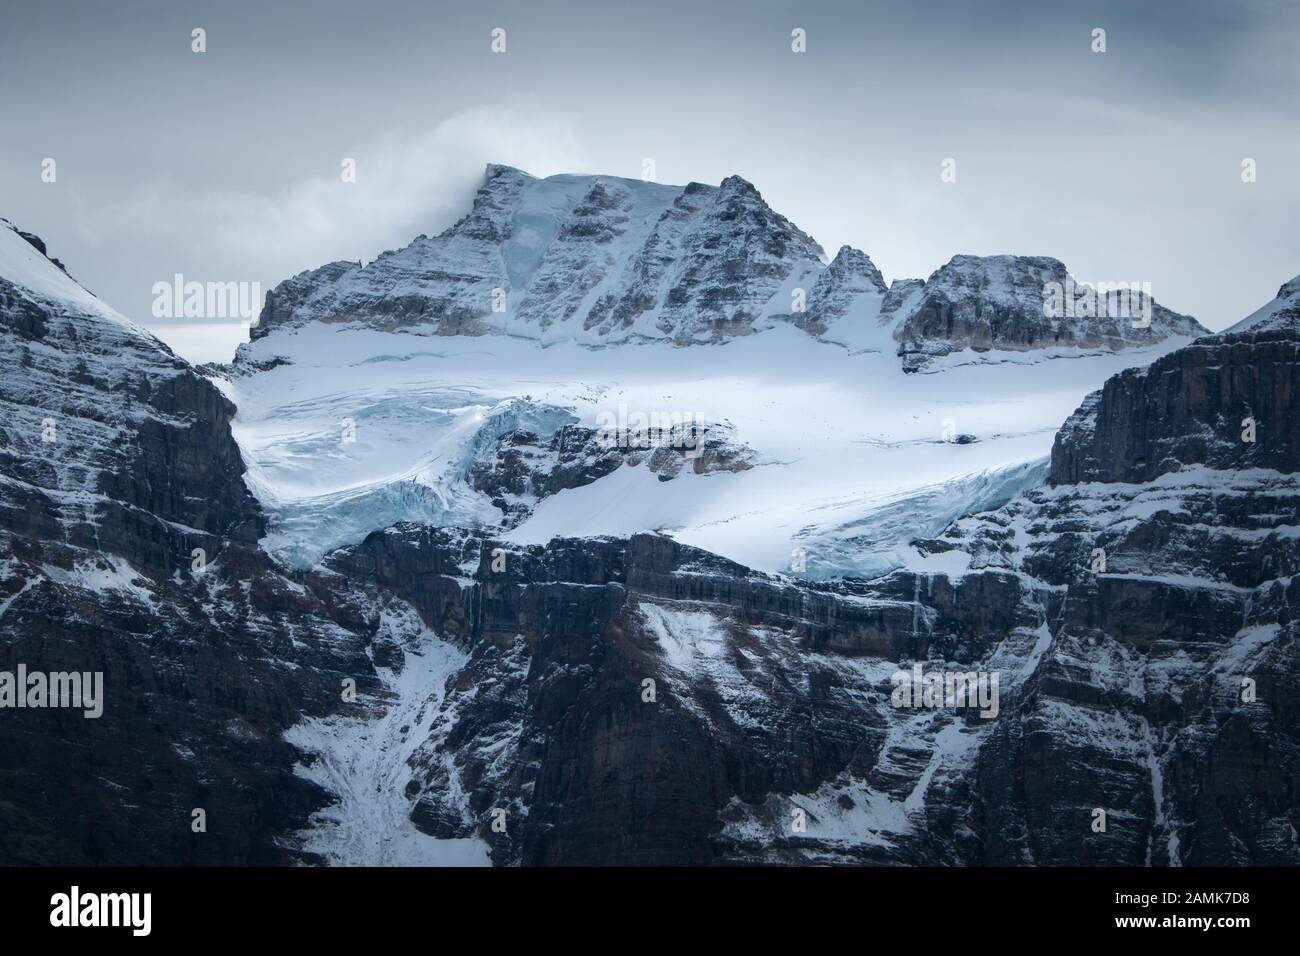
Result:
1125,165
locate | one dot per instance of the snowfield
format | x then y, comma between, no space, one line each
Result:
364,761
855,458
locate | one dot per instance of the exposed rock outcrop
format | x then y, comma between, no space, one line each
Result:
1006,303
596,258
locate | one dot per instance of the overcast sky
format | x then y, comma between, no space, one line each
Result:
225,165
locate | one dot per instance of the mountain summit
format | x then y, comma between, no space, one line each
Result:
600,260
595,258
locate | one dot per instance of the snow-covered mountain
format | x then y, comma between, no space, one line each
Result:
1005,303
603,283
1280,312
592,259
600,260
567,649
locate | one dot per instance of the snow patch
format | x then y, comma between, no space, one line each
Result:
363,761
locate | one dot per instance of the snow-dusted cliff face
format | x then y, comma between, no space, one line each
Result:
108,435
118,473
592,259
599,260
1022,303
1164,551
1281,312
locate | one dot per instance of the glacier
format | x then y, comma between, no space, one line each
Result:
854,457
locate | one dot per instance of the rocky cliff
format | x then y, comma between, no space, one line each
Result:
1023,303
129,545
596,258
1224,402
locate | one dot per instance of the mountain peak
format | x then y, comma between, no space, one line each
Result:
600,260
25,262
1284,310
851,261
596,259
1001,303
493,170
734,184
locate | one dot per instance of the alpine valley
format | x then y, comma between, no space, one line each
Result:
390,588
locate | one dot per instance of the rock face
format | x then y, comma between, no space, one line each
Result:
600,260
116,463
1006,303
548,718
521,468
1166,545
1224,402
110,440
634,700
597,259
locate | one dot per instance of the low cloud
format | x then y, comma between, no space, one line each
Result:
406,184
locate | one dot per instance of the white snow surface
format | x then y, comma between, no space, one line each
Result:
23,265
853,461
363,761
1288,297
